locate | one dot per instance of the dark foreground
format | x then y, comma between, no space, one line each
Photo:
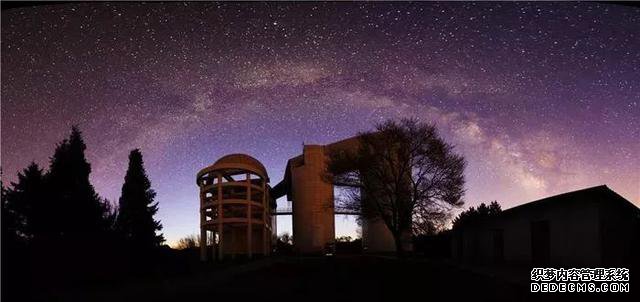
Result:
346,278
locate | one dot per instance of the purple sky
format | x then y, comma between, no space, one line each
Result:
541,98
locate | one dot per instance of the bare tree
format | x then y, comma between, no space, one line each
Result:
431,219
286,238
284,244
403,173
191,241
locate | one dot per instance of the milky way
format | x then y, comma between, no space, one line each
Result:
541,98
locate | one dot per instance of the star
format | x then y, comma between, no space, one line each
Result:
536,106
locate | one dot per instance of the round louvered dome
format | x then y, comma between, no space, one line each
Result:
243,159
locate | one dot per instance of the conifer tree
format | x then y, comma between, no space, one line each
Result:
10,221
30,213
78,208
135,220
12,245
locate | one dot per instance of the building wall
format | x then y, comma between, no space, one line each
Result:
376,237
313,212
619,235
574,234
236,241
313,204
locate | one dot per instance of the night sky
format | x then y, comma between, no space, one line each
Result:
541,98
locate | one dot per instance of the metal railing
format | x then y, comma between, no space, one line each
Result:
337,210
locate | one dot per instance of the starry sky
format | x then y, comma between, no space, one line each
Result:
541,98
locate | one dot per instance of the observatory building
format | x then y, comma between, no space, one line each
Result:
592,227
238,208
235,208
314,209
238,211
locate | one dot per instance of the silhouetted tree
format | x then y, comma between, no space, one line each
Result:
188,242
473,215
402,173
78,211
136,207
57,215
284,244
14,275
430,219
26,200
344,239
11,224
110,214
286,238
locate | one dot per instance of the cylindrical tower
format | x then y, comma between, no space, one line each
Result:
313,205
235,207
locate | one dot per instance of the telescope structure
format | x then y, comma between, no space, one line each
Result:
312,196
238,208
235,208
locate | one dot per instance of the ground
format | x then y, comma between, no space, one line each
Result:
342,278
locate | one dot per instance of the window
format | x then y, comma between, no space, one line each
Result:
211,213
210,196
204,179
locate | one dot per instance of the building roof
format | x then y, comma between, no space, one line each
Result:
583,195
239,158
235,163
598,195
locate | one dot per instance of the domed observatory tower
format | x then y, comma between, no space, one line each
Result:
235,208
